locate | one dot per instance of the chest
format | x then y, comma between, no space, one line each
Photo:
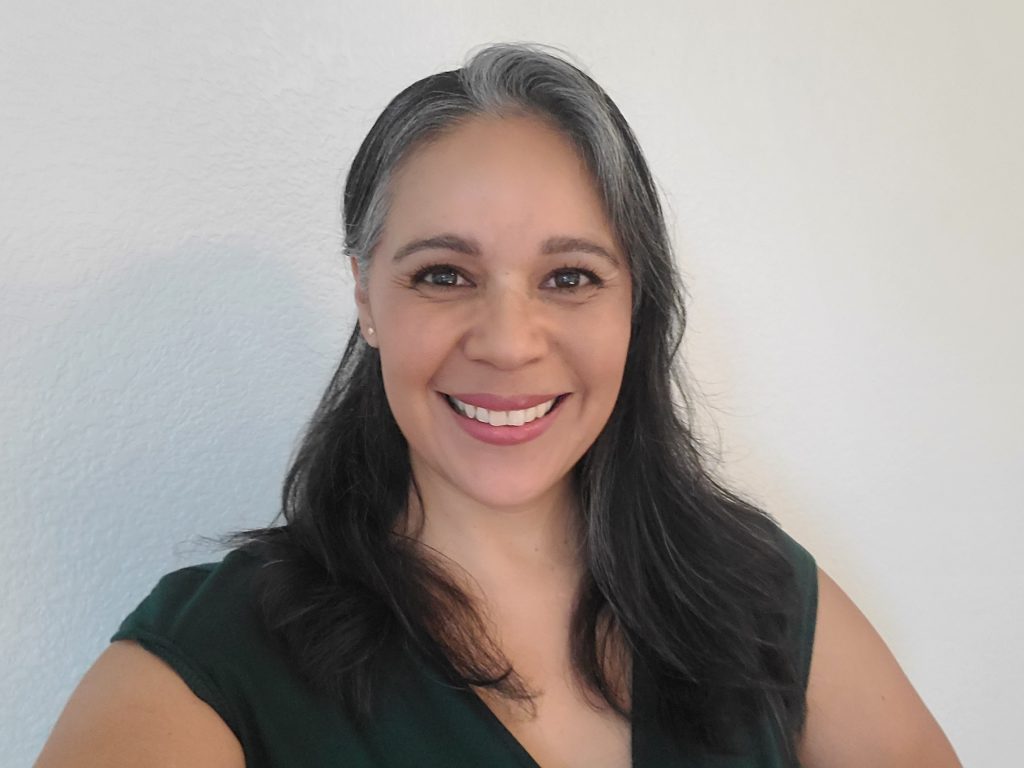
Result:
422,720
567,726
564,729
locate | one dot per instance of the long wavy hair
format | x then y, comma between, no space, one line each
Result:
686,576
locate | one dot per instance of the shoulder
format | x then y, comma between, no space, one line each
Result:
861,708
191,658
203,622
131,708
197,600
210,610
801,601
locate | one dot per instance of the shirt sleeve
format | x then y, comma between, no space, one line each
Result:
164,624
806,571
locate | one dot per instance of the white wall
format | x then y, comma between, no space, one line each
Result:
844,182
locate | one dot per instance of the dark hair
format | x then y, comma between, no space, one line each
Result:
691,577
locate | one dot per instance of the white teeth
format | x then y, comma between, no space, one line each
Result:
502,418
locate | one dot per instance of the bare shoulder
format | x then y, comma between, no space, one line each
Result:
861,708
132,709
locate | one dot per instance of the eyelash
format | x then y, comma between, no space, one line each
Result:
421,275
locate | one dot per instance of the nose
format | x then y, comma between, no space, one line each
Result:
508,329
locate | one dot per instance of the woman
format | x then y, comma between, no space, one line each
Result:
500,546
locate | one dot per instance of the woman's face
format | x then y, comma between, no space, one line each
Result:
498,281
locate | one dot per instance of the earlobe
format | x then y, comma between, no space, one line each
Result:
369,332
366,324
363,306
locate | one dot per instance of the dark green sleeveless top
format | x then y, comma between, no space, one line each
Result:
202,621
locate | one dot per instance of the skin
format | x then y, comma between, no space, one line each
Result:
505,516
509,319
861,708
516,321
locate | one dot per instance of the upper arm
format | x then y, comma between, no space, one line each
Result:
132,709
861,708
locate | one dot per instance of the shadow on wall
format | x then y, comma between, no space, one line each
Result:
161,406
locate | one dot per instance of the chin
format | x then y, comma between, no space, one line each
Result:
509,493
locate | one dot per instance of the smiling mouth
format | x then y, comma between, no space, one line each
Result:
504,418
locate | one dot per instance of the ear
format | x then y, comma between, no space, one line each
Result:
363,306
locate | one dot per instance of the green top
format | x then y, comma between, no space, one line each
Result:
201,621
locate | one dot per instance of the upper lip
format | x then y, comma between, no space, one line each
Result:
500,403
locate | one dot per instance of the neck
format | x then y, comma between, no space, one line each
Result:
538,539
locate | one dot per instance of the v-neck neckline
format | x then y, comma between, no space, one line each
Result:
516,747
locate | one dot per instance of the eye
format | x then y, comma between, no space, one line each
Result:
571,279
438,276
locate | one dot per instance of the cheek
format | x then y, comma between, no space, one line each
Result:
408,369
406,361
599,349
413,348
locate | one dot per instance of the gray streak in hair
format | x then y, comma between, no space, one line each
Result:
499,80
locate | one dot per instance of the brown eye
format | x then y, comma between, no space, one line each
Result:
572,279
437,276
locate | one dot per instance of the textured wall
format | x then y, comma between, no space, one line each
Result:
844,184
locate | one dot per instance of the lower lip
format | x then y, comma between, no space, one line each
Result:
507,435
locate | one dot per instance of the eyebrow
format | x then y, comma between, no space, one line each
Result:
469,247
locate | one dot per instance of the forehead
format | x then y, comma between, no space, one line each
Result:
497,171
